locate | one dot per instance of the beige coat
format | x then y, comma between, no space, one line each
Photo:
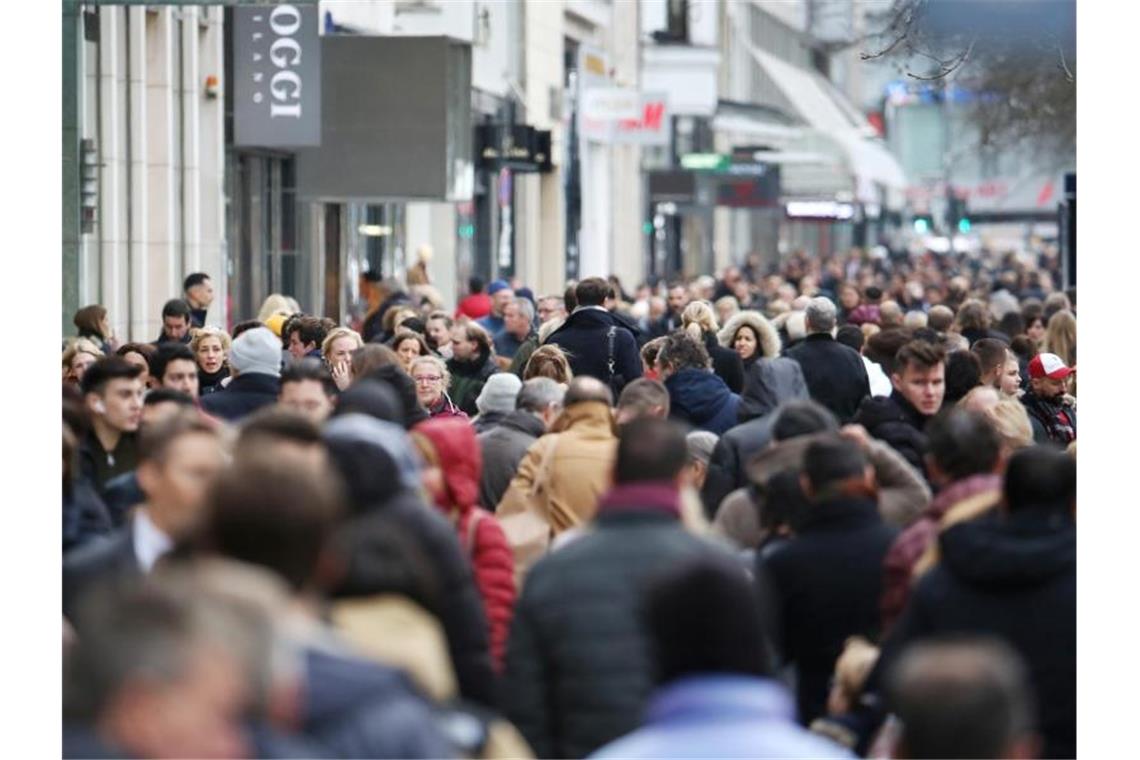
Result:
564,473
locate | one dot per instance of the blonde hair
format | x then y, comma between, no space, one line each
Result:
1061,337
548,361
80,346
337,333
274,303
729,304
854,665
201,333
1011,421
435,362
698,318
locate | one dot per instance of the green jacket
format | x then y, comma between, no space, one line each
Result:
467,378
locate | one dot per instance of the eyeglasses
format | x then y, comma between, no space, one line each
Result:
428,379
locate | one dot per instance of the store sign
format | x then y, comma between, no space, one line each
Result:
518,147
820,210
277,76
649,125
610,104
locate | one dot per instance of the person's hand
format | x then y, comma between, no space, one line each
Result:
342,375
856,433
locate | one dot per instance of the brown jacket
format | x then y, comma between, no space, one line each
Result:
903,493
564,472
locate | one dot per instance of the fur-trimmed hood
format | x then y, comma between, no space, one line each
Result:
769,338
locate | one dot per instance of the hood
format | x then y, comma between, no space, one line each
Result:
592,416
1009,552
460,458
699,393
375,457
769,337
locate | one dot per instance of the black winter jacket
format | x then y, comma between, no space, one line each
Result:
731,453
1015,578
579,668
835,374
726,363
468,378
822,587
894,420
85,516
583,336
243,396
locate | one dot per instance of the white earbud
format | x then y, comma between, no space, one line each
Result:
100,407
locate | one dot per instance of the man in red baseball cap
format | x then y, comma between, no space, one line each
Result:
1051,411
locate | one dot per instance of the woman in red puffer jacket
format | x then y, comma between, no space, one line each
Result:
453,464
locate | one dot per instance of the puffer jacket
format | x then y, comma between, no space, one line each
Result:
581,451
479,532
894,420
467,379
700,398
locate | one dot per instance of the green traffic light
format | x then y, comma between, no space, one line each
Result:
647,228
921,226
963,225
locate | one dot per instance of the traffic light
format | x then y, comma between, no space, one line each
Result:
957,217
964,225
922,223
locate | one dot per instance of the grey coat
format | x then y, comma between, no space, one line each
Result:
503,448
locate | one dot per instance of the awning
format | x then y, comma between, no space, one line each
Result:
826,109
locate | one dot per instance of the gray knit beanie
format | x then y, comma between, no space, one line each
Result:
256,351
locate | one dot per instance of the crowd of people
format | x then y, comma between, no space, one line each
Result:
825,509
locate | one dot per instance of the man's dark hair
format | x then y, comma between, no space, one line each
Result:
241,327
105,370
962,699
804,417
784,502
570,298
167,395
682,351
1012,324
963,374
929,334
167,353
833,459
144,349
278,424
405,388
373,276
309,369
643,394
270,510
475,285
702,618
850,335
650,449
197,278
155,440
586,388
990,353
921,354
1023,347
884,346
309,330
1042,479
963,443
372,397
592,291
413,324
176,307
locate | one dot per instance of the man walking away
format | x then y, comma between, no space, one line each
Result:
597,344
835,374
198,290
255,362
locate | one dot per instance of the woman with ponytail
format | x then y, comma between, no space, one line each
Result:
699,321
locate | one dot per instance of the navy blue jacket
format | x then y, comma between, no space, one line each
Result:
583,338
699,397
85,515
244,395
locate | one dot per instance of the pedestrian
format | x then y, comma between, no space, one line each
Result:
642,398
198,290
973,322
476,304
178,461
93,324
255,363
452,468
1013,576
380,470
596,343
112,396
727,307
919,380
963,374
518,328
537,404
824,585
700,444
472,362
700,322
964,463
579,661
211,347
1053,416
308,389
834,373
409,346
1061,337
174,367
501,295
84,515
175,322
337,350
77,358
677,300
139,354
852,336
496,401
437,330
696,395
769,379
431,377
548,361
716,694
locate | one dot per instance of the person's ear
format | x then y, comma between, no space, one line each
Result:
896,381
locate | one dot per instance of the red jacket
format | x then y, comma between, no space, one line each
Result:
911,544
493,562
476,306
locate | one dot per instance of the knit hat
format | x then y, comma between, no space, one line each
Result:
256,351
496,286
701,444
499,393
